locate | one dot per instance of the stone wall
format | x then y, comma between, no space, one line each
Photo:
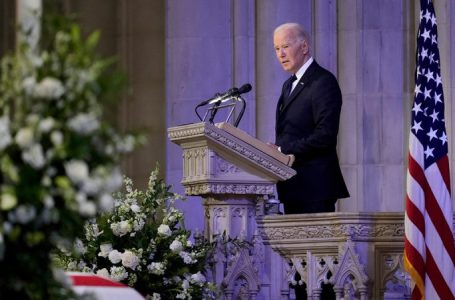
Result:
368,45
178,53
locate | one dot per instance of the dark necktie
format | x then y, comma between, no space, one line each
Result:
287,89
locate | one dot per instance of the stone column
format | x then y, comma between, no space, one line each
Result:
371,71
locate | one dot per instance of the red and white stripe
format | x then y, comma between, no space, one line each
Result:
102,288
429,243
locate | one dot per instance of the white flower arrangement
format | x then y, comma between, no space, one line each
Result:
59,158
142,242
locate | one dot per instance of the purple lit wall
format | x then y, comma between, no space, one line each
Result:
180,52
369,45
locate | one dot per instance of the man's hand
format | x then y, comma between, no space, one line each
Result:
291,159
291,156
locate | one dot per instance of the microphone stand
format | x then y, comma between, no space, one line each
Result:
214,111
237,120
202,104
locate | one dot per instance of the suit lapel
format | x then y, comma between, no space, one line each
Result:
298,88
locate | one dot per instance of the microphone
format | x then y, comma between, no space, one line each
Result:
233,92
244,89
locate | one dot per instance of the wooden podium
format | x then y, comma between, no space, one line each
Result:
235,174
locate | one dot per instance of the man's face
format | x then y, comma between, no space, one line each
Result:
291,52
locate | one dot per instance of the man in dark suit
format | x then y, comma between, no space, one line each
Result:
307,120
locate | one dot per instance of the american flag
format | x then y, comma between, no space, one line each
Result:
429,253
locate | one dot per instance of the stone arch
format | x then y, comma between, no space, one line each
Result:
350,271
241,278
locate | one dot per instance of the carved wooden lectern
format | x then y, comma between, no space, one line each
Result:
235,174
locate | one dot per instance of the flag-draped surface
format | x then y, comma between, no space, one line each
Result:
429,244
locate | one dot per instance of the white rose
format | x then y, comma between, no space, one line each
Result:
48,202
135,208
118,273
37,61
198,278
84,123
82,265
32,119
156,296
126,145
106,202
95,230
92,186
125,226
121,228
81,198
105,249
164,230
185,284
46,125
24,137
87,209
176,246
79,247
7,201
187,259
29,84
77,170
130,260
115,256
103,272
22,214
156,268
34,156
56,138
138,224
7,227
72,266
114,180
49,88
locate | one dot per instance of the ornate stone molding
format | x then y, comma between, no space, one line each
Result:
337,226
335,231
251,154
230,147
186,132
224,167
228,188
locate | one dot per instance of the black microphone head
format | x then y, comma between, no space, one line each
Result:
245,88
233,91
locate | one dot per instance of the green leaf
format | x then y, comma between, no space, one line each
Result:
92,40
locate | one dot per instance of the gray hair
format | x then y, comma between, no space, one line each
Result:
298,29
